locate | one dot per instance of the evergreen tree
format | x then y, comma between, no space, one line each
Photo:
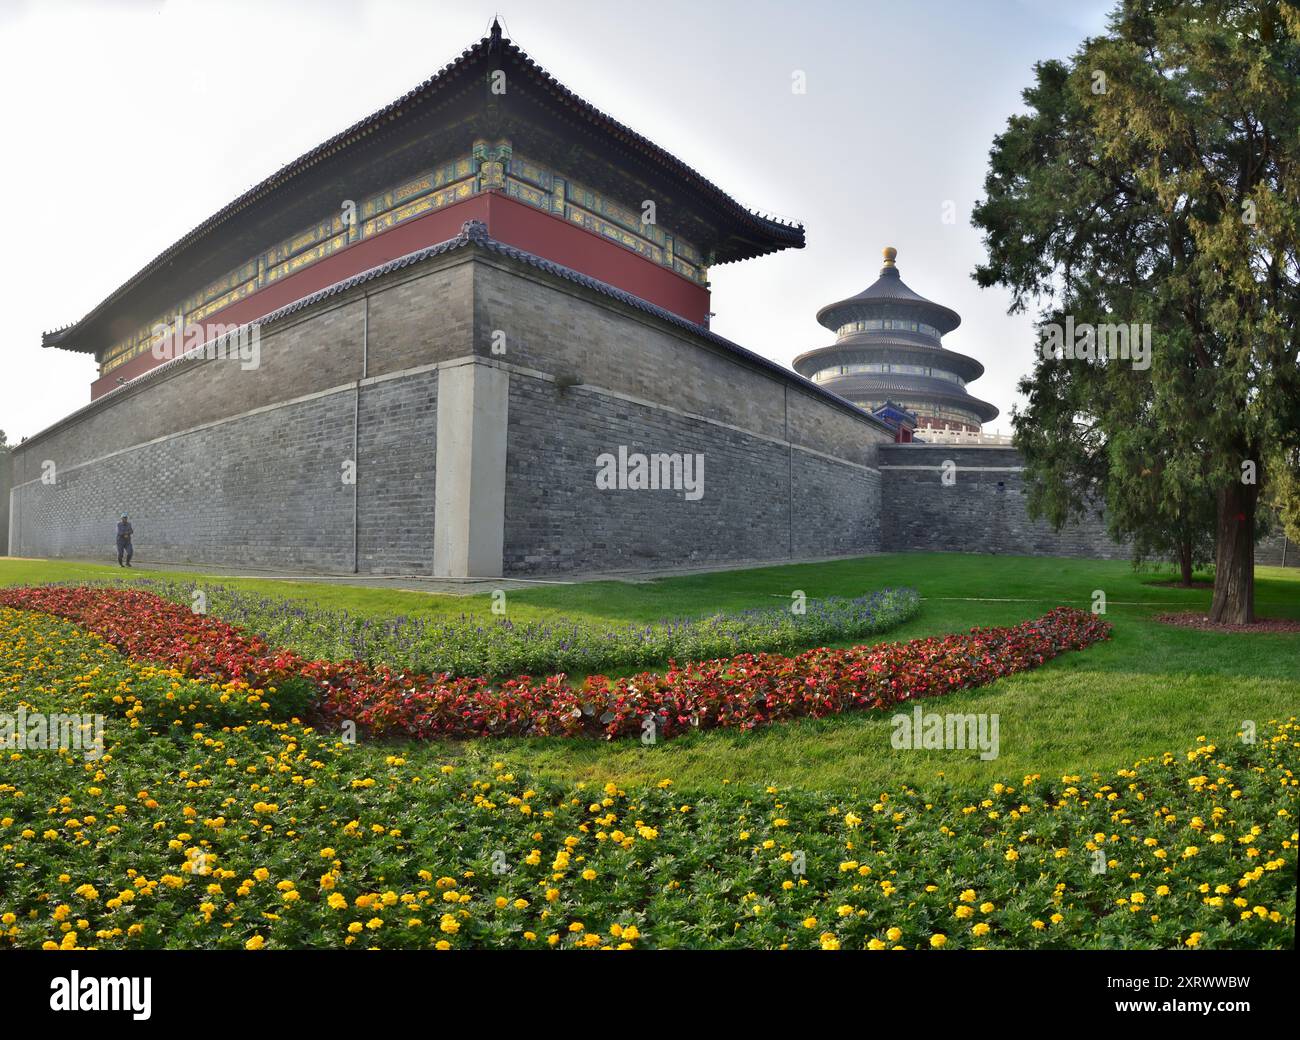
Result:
1155,180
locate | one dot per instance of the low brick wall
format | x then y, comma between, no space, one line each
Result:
1276,550
982,510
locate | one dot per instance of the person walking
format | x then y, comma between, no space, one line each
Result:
124,532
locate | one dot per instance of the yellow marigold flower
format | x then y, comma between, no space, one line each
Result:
938,939
255,943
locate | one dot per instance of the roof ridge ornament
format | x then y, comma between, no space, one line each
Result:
474,231
494,36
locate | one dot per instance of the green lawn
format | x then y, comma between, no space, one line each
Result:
1151,689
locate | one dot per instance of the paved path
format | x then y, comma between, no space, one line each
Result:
460,586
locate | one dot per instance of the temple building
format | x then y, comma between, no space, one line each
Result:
493,138
888,354
407,352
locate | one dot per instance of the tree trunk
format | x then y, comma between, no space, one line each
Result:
1234,555
1185,560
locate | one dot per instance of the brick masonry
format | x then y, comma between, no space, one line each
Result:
983,510
1276,550
217,465
786,474
6,481
762,499
266,489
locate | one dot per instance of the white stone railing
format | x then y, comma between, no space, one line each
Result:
961,437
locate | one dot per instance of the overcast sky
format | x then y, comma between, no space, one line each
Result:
127,123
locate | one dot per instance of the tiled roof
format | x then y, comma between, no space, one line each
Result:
888,288
779,233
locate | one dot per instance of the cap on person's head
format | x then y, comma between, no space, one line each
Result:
123,516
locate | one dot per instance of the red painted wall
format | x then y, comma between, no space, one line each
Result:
566,243
507,220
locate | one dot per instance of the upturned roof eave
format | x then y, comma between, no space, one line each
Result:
879,384
778,234
946,321
976,368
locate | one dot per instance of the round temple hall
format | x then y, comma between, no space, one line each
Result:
888,351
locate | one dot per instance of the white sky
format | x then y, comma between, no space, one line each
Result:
127,123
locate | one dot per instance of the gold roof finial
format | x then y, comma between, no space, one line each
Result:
891,254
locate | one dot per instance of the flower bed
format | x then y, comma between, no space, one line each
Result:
270,835
742,692
501,648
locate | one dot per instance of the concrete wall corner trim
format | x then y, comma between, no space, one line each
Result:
470,494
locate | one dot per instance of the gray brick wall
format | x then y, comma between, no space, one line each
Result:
983,511
416,317
557,519
6,471
1276,550
264,489
395,481
764,499
560,329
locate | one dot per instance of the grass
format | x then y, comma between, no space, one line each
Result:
1151,689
